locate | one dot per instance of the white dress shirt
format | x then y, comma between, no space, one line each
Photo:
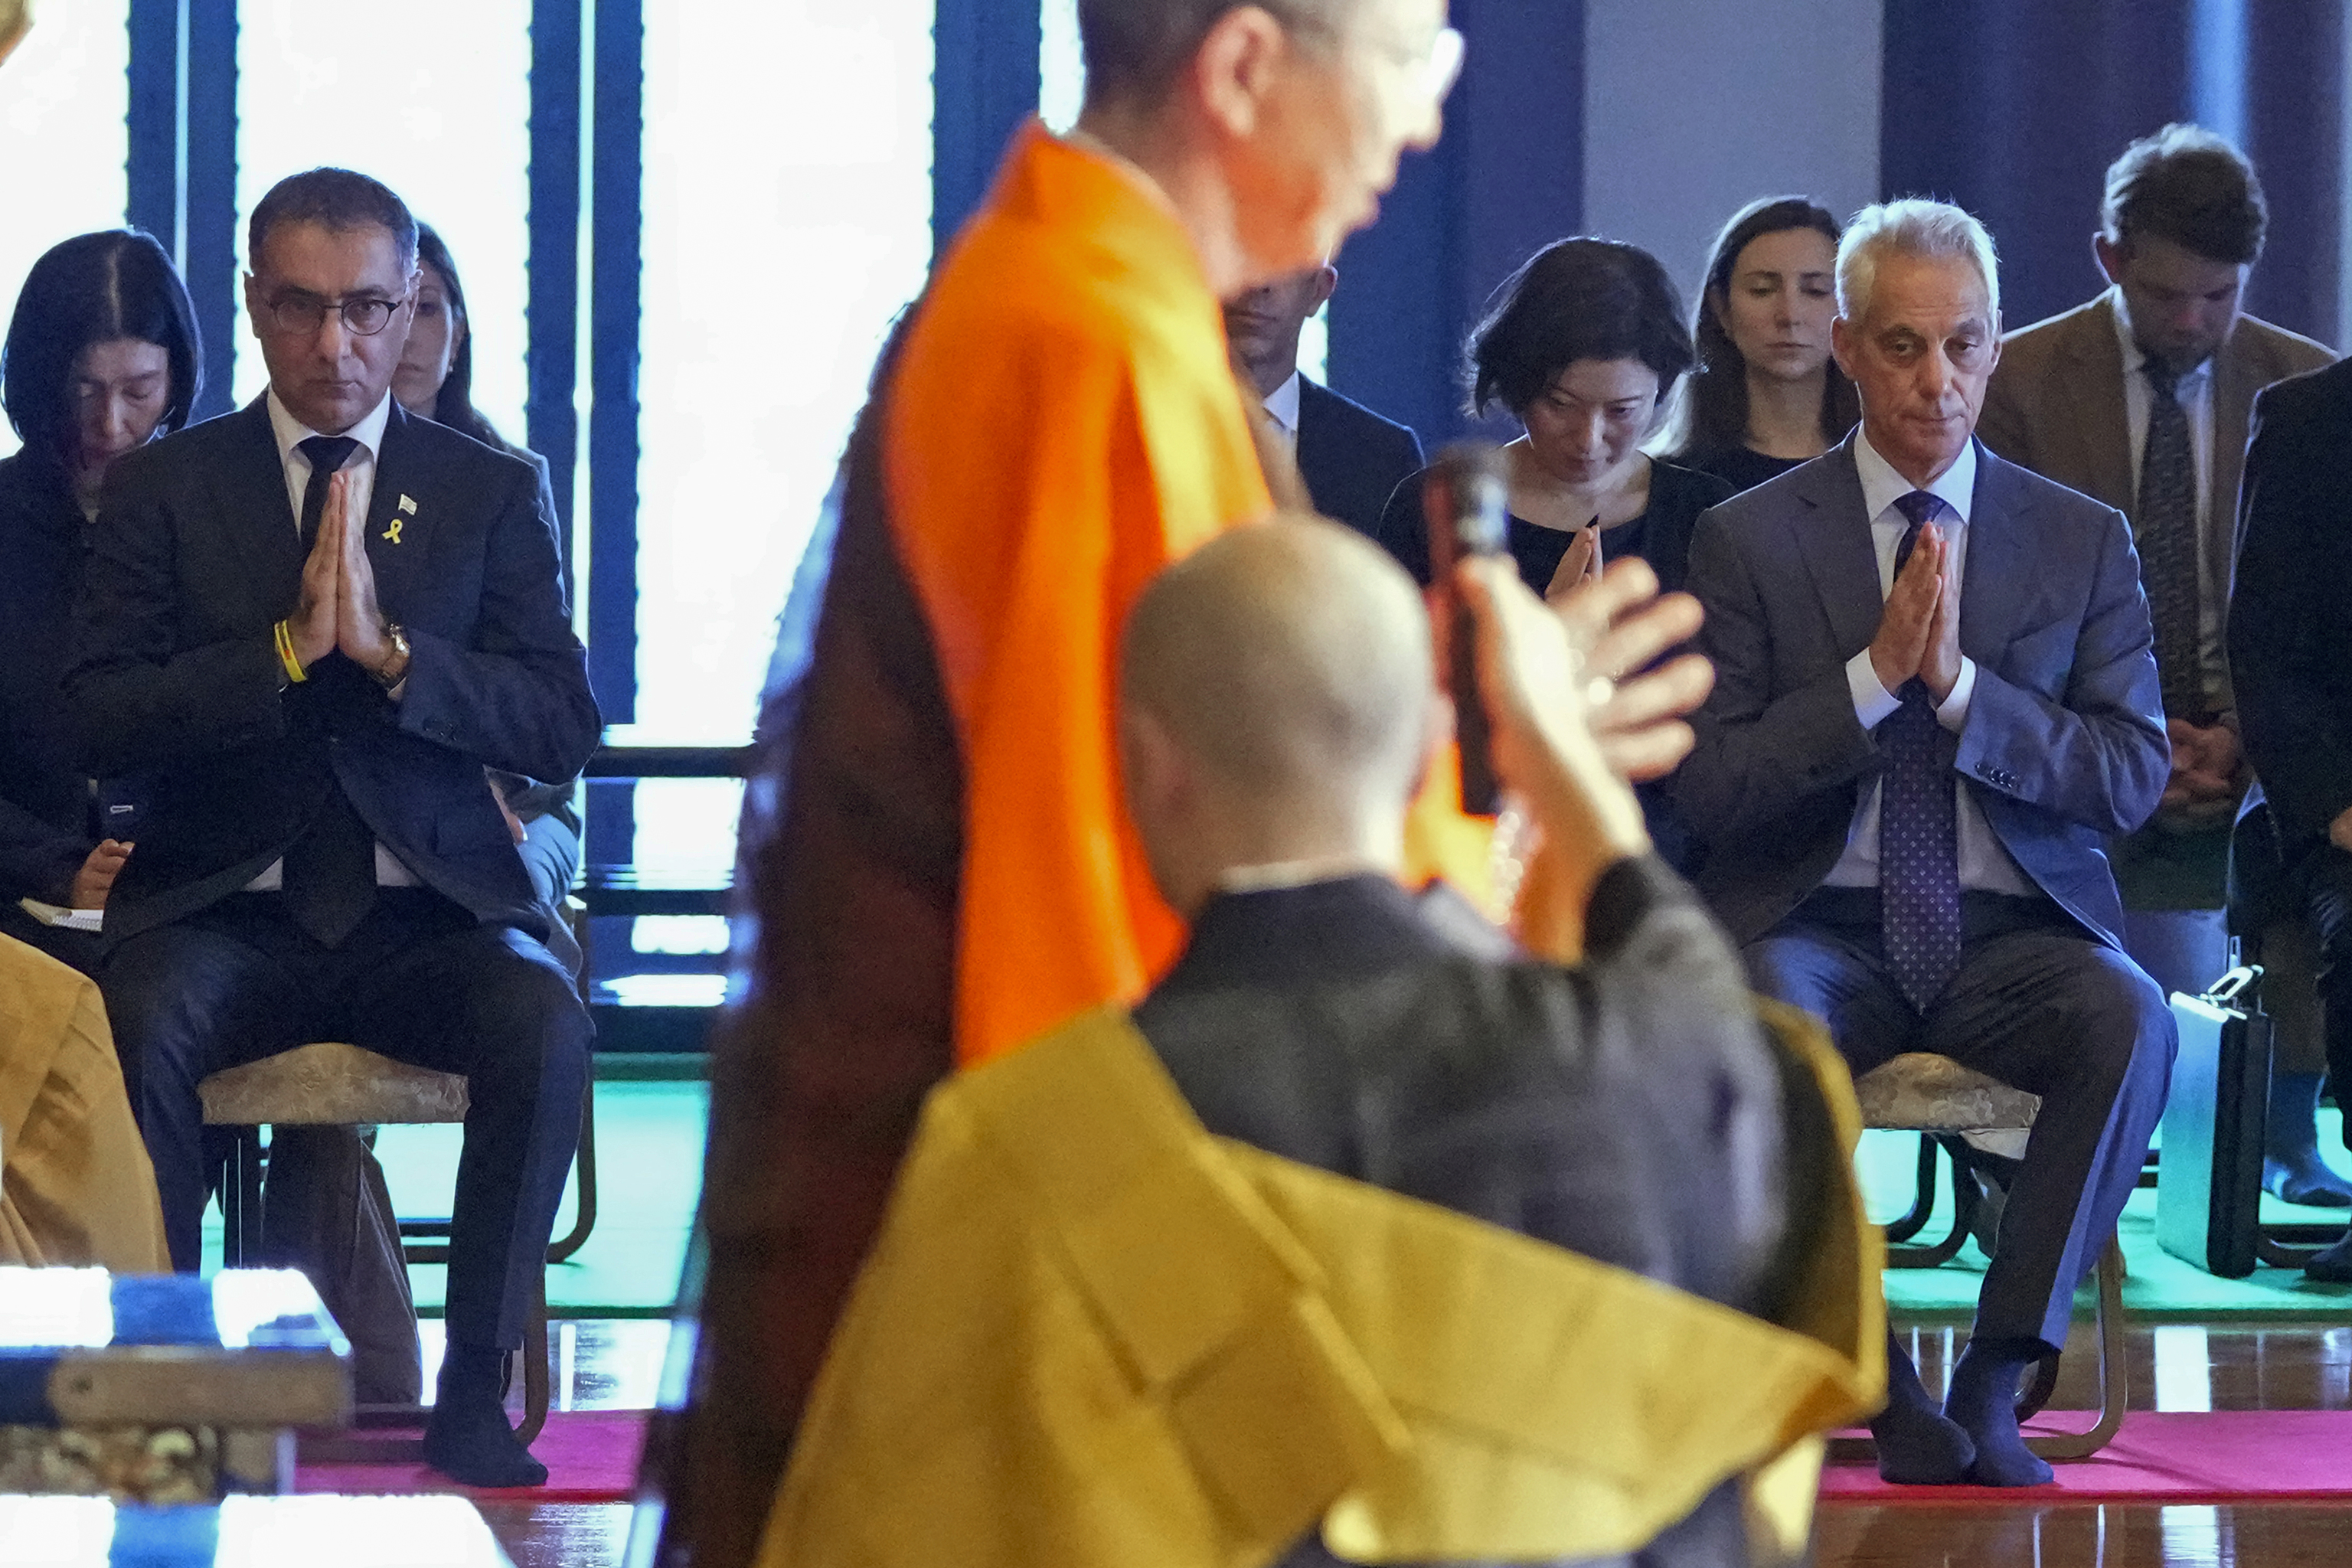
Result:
359,486
1282,404
2195,391
1985,864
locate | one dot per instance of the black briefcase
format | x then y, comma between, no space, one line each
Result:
2209,1181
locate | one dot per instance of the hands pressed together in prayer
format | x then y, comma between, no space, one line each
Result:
337,610
1919,629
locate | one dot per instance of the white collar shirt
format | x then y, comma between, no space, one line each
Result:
359,468
1282,406
1985,864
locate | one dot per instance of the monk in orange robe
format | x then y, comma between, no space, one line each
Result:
936,857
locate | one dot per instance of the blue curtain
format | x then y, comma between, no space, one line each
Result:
2013,109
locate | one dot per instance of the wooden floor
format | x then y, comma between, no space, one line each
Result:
2173,1367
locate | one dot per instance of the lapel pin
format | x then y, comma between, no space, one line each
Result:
392,533
408,505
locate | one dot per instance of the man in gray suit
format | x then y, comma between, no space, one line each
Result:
1934,702
2141,398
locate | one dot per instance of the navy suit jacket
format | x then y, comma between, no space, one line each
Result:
1351,458
2291,623
2064,742
176,679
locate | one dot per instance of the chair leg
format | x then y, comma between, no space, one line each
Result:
585,1218
1965,1198
240,1198
2115,1378
535,1369
1923,1196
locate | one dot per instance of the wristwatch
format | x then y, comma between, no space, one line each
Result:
393,670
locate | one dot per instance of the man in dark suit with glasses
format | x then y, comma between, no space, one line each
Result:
306,629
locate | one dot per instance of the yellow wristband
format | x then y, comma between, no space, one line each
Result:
284,635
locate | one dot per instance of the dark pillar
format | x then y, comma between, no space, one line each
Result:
1507,178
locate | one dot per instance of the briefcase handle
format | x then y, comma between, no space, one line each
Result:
2231,986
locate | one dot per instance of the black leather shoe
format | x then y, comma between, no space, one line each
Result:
2332,1267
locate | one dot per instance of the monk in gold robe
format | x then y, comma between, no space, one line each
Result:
1365,1237
75,1187
945,868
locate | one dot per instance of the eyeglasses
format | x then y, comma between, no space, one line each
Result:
1440,69
303,314
1434,66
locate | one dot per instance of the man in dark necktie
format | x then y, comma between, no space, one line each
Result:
2140,398
306,629
1936,700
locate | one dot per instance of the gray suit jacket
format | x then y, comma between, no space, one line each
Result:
2064,745
2056,406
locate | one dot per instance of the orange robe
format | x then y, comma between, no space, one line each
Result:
935,852
1065,422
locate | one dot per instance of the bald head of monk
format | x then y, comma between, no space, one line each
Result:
1276,706
1274,128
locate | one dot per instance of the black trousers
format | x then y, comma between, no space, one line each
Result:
420,981
2041,1005
2323,876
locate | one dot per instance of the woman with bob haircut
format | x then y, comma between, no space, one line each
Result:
1584,346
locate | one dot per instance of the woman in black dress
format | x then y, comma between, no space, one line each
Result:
1582,351
101,357
1766,394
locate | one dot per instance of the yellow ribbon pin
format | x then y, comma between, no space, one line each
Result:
392,533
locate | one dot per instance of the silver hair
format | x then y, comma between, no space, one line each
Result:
1912,226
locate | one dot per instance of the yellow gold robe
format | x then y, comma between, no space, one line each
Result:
76,1186
1092,1336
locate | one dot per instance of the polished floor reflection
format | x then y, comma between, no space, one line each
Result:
2176,1367
2094,1536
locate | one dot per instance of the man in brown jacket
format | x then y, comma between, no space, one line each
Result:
2141,398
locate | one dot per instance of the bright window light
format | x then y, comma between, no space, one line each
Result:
434,100
787,222
1061,66
62,137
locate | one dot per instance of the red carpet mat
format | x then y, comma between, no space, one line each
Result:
2224,1456
591,1456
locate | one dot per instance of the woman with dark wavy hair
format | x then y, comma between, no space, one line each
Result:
435,374
101,357
1766,394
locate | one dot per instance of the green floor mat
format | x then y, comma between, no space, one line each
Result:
2158,1287
649,1176
650,1139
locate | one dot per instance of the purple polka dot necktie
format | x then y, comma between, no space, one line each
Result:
1918,822
2164,515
